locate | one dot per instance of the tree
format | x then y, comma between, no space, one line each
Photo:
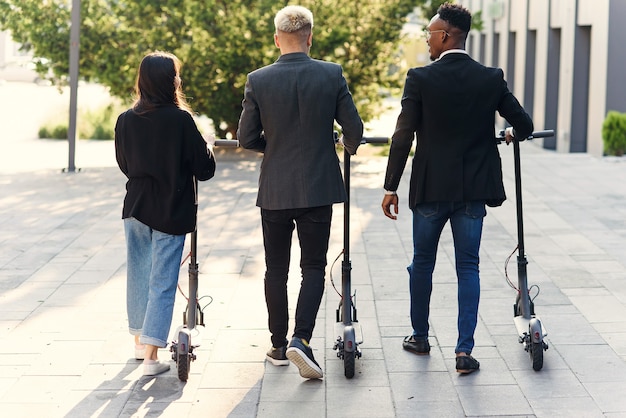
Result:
218,41
428,9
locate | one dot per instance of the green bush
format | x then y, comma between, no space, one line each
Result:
57,131
614,133
92,124
44,132
100,124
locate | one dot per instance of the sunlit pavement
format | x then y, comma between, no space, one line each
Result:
65,349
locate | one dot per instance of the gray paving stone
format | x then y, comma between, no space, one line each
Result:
549,383
486,400
232,375
365,402
422,386
450,408
609,396
287,409
101,403
62,276
594,363
570,407
289,386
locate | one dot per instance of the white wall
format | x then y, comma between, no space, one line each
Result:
9,51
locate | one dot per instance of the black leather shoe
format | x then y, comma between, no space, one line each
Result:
466,364
419,347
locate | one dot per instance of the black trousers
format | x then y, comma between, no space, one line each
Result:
313,228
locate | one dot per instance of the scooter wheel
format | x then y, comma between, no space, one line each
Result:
536,355
184,363
348,364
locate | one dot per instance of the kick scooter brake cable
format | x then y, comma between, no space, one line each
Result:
331,274
182,263
508,280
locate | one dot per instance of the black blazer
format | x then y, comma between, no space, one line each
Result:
450,105
160,152
289,111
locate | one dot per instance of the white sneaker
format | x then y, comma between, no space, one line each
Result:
140,351
154,368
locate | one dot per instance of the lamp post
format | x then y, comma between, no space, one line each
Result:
74,55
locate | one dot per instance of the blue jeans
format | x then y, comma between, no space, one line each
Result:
313,233
466,220
153,264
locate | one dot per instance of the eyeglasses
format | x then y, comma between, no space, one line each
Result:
428,33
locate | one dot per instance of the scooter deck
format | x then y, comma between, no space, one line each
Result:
358,331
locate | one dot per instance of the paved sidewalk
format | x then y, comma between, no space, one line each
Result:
65,350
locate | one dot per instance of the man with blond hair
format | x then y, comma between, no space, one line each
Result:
289,111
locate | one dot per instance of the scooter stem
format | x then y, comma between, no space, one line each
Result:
346,264
522,262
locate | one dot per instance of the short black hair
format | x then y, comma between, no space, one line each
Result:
456,15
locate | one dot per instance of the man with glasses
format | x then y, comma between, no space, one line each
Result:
449,107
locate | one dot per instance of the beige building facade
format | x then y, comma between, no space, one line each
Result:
565,60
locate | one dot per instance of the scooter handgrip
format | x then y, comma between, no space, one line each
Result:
542,134
374,140
226,143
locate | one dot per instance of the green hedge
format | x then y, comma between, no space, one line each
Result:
614,133
92,124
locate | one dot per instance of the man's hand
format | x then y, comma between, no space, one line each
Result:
388,201
508,135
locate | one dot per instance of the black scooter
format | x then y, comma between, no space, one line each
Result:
347,327
182,348
531,331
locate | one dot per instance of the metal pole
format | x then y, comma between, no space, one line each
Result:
74,55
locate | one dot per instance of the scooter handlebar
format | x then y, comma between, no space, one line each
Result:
537,134
374,140
226,143
365,140
542,134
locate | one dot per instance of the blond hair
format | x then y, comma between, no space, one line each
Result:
292,19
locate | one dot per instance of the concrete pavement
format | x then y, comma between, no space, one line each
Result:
65,350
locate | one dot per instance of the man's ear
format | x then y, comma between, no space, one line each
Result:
276,42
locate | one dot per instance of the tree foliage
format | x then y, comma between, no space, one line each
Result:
218,41
428,9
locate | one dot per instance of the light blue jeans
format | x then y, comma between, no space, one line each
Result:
153,265
466,220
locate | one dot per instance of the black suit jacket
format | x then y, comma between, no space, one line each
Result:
289,110
160,152
450,105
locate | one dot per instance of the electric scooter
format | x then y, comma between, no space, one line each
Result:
531,331
350,335
182,348
347,326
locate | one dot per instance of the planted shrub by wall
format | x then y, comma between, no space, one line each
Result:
614,133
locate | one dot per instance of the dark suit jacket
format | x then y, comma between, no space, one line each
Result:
450,105
289,109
